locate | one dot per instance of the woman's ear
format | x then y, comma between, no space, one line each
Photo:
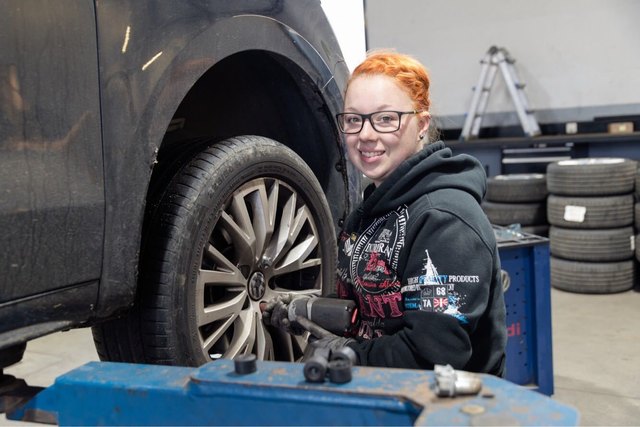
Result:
423,123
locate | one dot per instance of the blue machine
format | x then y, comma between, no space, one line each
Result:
101,393
525,258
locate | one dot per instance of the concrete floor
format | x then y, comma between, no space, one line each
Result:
596,348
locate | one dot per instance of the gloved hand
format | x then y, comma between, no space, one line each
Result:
321,338
276,314
332,342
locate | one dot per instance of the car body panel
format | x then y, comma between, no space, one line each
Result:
112,78
52,196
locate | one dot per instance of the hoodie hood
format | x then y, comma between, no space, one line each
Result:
433,168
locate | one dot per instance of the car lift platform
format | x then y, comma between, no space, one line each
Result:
276,393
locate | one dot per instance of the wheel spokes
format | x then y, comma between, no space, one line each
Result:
222,310
226,272
264,345
241,240
296,258
265,231
244,337
264,214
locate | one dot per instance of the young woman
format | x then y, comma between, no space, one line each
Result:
418,256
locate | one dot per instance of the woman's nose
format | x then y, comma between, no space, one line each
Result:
367,132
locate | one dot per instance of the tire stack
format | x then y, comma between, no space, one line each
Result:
518,199
591,211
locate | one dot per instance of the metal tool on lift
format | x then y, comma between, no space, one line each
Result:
498,58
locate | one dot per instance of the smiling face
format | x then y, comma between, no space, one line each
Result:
376,154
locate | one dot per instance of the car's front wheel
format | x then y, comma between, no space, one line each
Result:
242,222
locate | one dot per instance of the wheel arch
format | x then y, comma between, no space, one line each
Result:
213,73
261,93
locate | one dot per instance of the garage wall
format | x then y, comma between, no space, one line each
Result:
579,58
347,20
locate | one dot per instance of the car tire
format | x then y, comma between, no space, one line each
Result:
244,221
594,212
592,277
591,177
515,213
602,245
517,188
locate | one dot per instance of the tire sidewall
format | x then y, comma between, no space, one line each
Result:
260,158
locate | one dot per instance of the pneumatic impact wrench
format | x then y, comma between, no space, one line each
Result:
323,317
339,316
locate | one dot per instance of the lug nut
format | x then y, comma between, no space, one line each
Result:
245,364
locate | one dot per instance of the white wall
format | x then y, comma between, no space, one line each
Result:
347,20
579,58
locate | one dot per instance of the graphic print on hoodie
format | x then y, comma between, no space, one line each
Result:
372,268
434,292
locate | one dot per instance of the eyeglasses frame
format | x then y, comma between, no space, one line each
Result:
366,117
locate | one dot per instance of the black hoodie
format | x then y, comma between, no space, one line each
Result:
420,259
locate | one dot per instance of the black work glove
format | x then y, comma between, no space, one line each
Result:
276,314
332,343
321,338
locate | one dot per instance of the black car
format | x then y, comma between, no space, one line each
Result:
165,166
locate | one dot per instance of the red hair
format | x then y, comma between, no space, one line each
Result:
407,71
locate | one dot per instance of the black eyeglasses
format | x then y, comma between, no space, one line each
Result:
381,121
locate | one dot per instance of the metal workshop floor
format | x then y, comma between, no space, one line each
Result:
596,347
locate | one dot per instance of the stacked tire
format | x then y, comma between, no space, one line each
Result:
518,199
591,211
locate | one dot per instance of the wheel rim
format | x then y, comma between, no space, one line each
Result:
265,242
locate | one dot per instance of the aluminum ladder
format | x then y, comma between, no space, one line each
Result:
498,58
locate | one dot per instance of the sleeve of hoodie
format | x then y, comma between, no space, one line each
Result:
429,336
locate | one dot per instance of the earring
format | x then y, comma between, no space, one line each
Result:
421,136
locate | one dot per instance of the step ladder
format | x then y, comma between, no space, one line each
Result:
498,58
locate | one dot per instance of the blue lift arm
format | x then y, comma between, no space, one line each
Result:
102,393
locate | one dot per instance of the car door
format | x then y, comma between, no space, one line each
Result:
51,180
